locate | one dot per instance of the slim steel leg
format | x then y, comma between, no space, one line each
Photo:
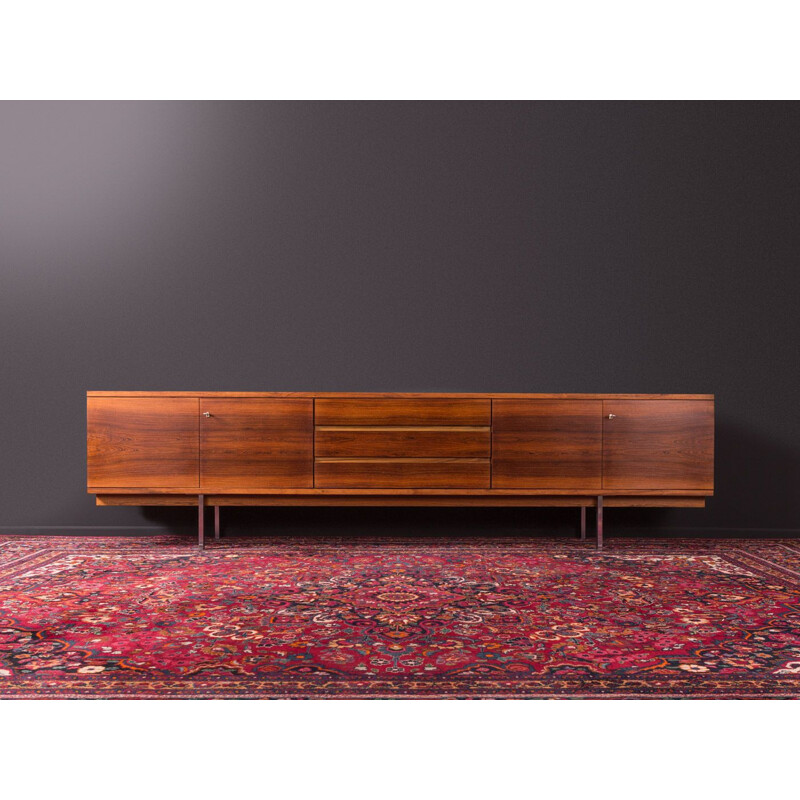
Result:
583,523
599,523
216,522
200,521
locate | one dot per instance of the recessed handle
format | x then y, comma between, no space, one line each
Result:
206,413
612,416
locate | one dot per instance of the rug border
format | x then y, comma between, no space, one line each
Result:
607,689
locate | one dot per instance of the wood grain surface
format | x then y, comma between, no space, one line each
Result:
142,442
410,395
443,498
256,443
554,444
658,444
389,411
399,441
431,473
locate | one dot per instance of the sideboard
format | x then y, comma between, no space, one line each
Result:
399,449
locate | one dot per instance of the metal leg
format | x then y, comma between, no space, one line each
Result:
583,523
599,523
200,521
216,522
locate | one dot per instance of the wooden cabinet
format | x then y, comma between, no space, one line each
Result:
549,444
142,442
325,448
658,444
256,443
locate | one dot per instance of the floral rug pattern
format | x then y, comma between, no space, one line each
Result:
383,618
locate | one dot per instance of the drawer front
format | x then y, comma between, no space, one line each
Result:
402,412
405,473
402,441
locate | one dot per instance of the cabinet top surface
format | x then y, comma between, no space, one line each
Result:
410,395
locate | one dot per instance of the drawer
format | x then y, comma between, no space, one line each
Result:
403,441
402,473
387,411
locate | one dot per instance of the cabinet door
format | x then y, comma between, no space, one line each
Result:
658,444
260,443
546,444
142,442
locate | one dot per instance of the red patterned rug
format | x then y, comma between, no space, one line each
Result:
463,618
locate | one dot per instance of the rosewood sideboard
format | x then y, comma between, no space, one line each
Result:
399,449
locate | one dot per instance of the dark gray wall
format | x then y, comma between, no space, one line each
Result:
587,247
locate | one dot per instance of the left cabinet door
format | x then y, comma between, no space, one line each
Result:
142,442
259,443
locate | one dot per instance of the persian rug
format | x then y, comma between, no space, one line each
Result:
398,618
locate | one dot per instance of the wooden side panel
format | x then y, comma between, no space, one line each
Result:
134,442
352,411
256,443
403,441
658,444
547,444
384,473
